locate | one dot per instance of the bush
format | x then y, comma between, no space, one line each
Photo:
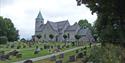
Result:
3,39
18,47
105,54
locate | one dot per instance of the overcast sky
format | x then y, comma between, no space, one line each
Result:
23,13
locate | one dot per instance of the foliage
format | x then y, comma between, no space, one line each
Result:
77,37
85,24
110,20
65,36
108,54
3,39
51,36
38,36
23,40
7,29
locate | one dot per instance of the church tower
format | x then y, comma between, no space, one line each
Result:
39,21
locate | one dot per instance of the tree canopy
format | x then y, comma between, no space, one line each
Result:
8,30
110,23
84,23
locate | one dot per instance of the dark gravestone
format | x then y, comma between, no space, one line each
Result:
52,47
2,52
24,46
67,46
4,57
18,47
77,51
45,46
85,48
19,55
82,49
84,53
72,58
12,46
13,53
28,61
61,55
58,47
41,48
59,61
80,55
73,43
53,58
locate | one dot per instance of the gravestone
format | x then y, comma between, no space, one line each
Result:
59,61
72,58
80,55
12,46
73,43
19,55
77,51
53,58
41,48
61,55
82,49
67,46
13,53
58,47
52,47
4,57
28,61
18,47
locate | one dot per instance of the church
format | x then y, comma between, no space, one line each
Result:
58,29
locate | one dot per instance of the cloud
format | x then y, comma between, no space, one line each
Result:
23,13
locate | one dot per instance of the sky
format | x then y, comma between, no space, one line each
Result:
23,13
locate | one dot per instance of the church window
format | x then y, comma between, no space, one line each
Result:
44,35
68,35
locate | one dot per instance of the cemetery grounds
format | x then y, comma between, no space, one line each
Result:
27,50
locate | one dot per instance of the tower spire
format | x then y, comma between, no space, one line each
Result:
40,16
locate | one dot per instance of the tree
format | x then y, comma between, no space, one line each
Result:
77,37
23,40
110,19
51,36
8,30
65,37
38,36
84,23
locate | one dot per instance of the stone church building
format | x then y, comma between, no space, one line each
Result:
58,29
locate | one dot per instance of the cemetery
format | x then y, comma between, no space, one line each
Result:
58,31
16,51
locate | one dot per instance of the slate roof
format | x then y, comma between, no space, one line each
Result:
72,28
56,26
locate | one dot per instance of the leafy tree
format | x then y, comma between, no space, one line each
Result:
84,23
65,37
38,36
77,37
3,39
110,24
8,30
51,36
23,40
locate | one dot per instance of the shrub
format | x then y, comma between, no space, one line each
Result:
3,39
18,47
105,54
